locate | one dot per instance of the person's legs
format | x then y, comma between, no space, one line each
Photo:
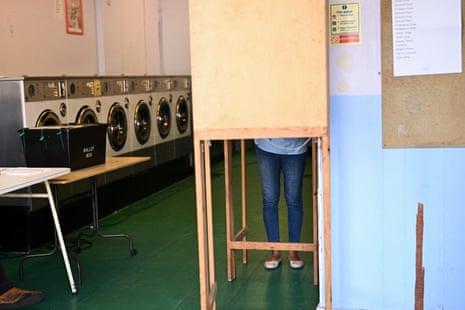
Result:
269,166
293,170
270,169
12,297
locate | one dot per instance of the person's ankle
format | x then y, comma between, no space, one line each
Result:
293,255
275,254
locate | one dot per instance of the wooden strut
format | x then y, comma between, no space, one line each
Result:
419,269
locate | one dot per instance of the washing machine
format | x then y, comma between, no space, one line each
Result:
164,120
140,114
45,104
83,94
112,108
182,115
45,101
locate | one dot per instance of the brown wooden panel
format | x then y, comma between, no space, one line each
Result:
419,111
259,64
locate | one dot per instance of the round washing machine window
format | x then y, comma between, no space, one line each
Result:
48,118
142,122
163,118
86,116
182,114
117,127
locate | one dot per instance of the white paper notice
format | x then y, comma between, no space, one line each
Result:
426,37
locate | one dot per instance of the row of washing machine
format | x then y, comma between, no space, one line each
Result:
145,114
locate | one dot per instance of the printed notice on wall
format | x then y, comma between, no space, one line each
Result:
345,23
426,37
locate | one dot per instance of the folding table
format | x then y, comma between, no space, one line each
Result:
111,164
13,179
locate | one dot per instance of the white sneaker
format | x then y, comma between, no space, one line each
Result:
296,264
272,264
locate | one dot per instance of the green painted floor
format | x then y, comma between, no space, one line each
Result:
164,273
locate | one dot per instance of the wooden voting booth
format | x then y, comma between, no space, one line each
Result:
259,70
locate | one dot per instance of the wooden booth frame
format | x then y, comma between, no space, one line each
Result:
74,18
238,241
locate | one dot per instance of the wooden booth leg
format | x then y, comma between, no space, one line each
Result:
244,198
229,196
208,285
327,221
315,187
229,193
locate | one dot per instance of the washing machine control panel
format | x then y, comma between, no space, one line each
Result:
139,85
84,88
44,89
45,101
147,85
122,86
169,84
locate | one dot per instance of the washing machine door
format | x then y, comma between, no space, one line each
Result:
163,118
86,116
48,118
117,127
182,114
142,122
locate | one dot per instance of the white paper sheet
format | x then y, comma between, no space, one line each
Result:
426,37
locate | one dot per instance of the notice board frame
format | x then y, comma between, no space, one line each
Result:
422,110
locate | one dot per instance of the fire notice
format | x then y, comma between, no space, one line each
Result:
345,23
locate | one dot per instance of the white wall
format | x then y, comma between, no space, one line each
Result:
375,192
130,37
174,37
35,42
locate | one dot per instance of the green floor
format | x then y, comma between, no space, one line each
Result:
164,273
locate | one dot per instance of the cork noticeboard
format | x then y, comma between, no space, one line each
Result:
421,110
258,65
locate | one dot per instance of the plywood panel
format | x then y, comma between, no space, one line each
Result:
259,65
419,111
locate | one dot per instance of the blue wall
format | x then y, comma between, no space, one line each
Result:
375,193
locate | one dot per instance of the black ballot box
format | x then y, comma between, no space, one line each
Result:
72,146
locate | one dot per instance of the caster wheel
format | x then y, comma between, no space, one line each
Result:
133,252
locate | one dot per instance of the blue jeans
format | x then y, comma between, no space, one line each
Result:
293,167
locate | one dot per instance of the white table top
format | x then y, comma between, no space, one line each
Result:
12,178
